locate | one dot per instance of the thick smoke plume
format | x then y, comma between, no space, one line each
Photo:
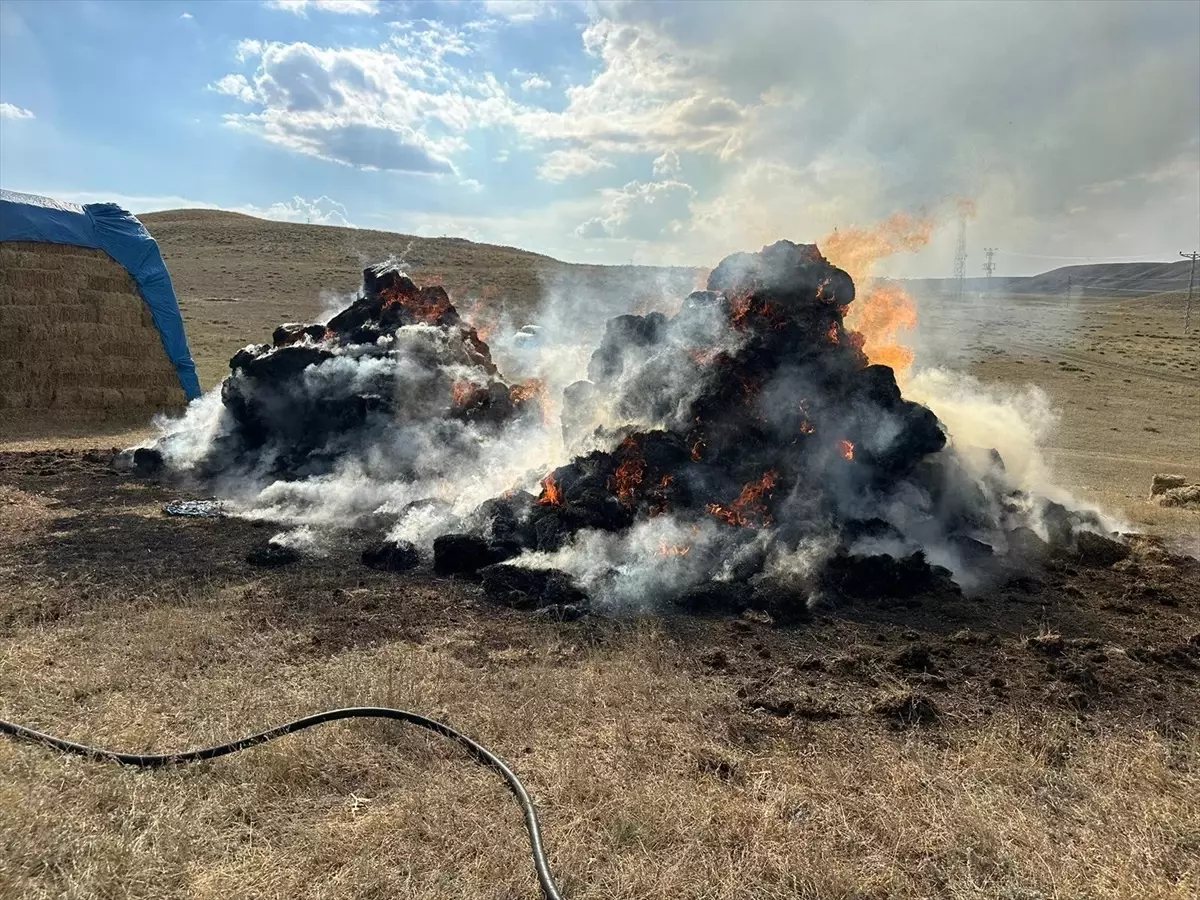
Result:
745,450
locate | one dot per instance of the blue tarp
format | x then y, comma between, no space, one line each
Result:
107,227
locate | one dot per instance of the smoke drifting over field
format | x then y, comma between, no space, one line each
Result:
749,448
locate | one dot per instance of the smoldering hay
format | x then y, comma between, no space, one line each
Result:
742,452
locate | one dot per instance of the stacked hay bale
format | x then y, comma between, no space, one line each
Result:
77,339
1174,490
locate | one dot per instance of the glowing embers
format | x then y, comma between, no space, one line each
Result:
532,393
467,393
747,309
627,480
673,550
846,449
751,508
429,305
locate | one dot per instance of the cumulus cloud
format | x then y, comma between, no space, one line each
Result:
369,108
11,111
639,211
667,164
651,94
320,211
534,83
345,7
186,15
519,10
563,164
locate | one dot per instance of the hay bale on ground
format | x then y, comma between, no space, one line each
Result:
1174,490
1160,484
76,337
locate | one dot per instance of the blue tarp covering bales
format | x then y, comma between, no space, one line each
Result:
107,227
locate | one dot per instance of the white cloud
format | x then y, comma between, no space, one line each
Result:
186,15
346,7
370,108
652,211
519,10
10,111
651,94
234,86
667,164
321,211
563,164
534,83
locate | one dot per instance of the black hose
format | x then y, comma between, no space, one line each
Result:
480,753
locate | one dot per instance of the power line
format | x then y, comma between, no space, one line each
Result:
1187,316
960,259
990,266
1145,257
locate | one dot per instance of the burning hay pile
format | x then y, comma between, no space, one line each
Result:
740,453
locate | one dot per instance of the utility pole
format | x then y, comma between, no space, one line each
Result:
960,260
989,267
1187,316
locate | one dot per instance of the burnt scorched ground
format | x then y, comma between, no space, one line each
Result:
1088,640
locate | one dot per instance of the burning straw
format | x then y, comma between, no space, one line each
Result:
746,450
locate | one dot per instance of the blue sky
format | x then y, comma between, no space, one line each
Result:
619,131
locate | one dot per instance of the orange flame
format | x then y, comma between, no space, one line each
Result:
551,493
882,309
832,334
750,508
629,474
846,448
666,549
532,390
697,453
806,427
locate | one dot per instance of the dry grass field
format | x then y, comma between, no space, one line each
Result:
1039,742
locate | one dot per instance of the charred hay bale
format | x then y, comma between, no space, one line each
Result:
521,588
357,315
882,576
621,335
387,276
279,364
271,556
391,556
971,551
785,602
148,462
1099,551
505,518
456,554
715,598
291,332
1025,546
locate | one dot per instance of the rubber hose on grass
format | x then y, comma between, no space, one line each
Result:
477,751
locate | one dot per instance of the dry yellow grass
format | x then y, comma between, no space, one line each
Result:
646,791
